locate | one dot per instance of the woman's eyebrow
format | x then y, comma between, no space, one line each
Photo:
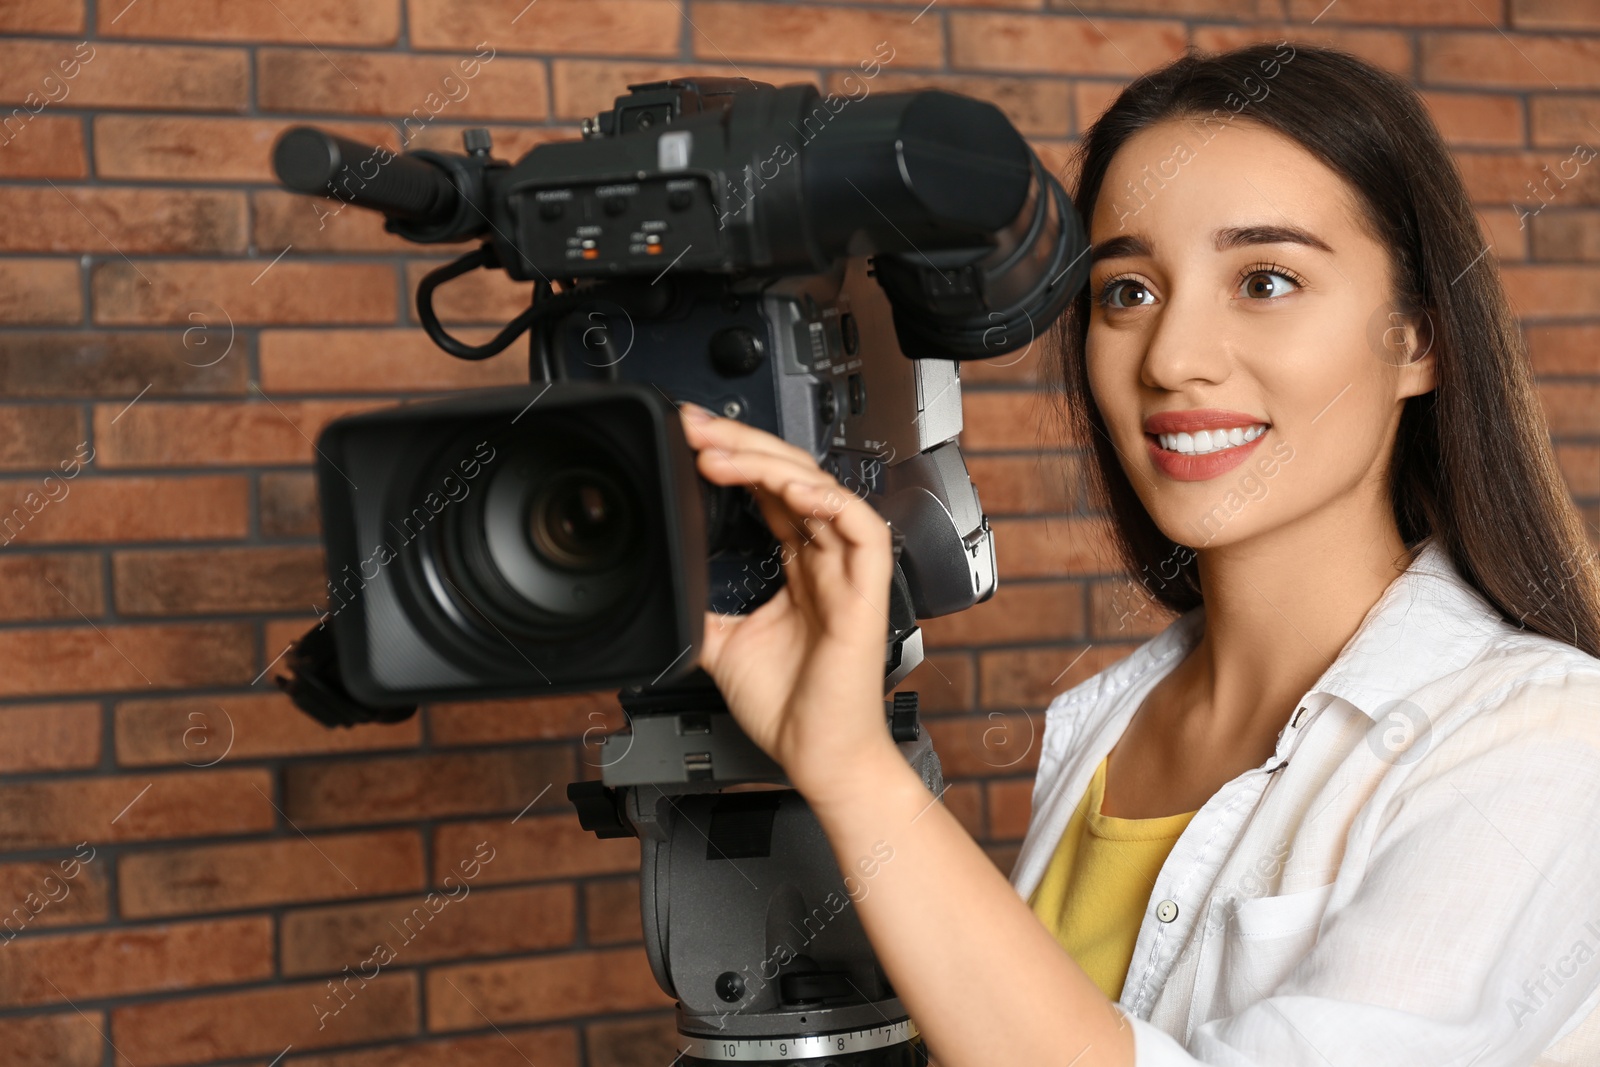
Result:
1128,245
1238,236
1118,247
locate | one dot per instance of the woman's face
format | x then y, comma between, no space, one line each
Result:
1242,347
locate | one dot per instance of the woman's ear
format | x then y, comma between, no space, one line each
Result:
1417,365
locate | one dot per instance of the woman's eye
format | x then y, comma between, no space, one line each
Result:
1126,293
1265,284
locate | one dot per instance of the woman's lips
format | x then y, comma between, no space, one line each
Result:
1190,468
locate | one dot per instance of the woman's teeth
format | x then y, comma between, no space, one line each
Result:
1206,441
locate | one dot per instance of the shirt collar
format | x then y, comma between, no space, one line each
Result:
1428,623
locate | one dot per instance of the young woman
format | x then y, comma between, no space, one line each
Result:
1345,809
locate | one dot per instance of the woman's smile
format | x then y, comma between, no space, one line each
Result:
1201,443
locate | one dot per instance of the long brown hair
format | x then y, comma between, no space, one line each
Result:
1490,492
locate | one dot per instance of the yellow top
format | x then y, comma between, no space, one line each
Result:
1094,893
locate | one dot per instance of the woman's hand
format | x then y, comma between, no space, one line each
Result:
803,673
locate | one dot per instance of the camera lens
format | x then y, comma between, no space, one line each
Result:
579,520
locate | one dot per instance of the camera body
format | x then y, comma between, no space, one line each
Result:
556,537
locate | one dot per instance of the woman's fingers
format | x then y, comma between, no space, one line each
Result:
831,508
846,539
705,429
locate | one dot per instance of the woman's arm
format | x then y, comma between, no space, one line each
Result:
978,972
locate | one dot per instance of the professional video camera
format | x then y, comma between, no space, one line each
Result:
813,266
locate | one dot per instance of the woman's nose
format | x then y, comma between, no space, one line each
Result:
1188,340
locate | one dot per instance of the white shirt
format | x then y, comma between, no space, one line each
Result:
1413,878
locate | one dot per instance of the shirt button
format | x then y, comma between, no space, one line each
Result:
1167,910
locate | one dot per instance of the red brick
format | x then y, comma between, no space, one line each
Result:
1413,12
542,988
127,76
111,221
379,361
374,22
186,804
213,434
1036,106
1005,741
489,297
1383,48
496,722
535,846
1529,179
1090,100
67,892
943,680
1580,465
1032,678
125,509
1566,235
547,1046
611,910
586,86
475,922
1023,367
286,870
1026,485
1565,349
39,436
1552,292
1554,15
192,149
1564,121
625,1043
62,1039
199,730
798,33
401,788
289,505
510,142
1010,808
621,27
418,89
1044,548
148,959
1215,9
1477,119
216,580
265,1022
49,146
1058,45
108,363
1483,60
1572,408
1503,229
42,16
50,586
48,737
254,291
87,659
1002,421
1016,613
37,292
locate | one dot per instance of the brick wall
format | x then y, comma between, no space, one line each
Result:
195,859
